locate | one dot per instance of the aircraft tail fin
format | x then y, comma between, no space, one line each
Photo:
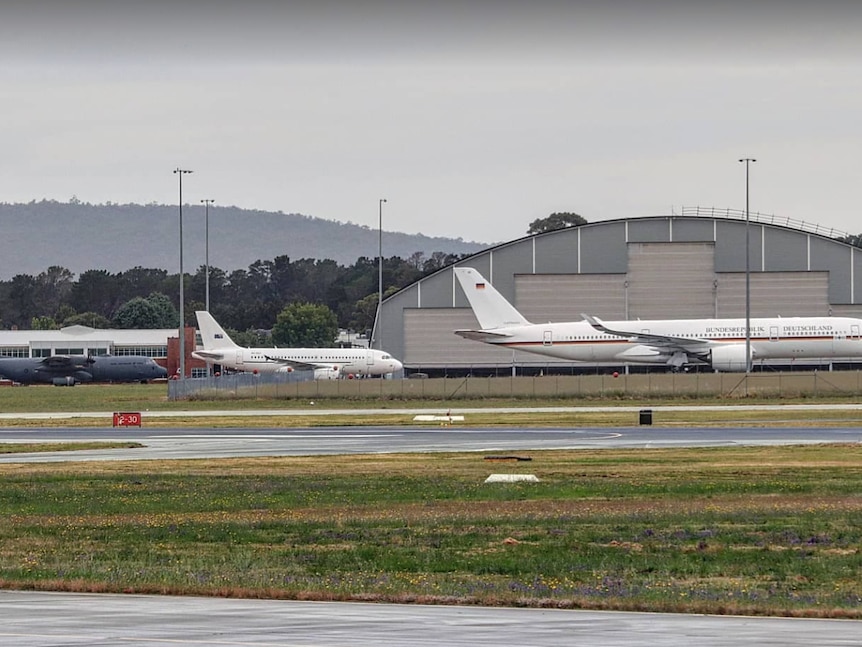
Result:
212,335
490,307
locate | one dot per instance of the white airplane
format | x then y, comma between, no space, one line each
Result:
720,343
327,363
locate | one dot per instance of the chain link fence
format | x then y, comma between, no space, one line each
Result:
676,385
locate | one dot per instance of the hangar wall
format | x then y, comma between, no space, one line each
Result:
669,277
650,268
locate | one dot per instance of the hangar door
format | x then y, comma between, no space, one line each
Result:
671,280
564,297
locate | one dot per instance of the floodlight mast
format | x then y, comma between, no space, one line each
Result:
180,172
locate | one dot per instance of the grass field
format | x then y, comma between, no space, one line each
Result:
24,448
769,530
152,398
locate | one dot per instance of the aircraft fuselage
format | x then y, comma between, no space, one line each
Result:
771,338
72,369
341,361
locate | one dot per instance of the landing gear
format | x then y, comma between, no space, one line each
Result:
677,361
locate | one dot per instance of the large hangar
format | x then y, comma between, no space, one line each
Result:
679,266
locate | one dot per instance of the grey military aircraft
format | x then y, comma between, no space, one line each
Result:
68,370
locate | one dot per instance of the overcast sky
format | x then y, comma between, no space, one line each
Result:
471,118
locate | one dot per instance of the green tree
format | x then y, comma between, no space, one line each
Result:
558,220
140,281
198,282
355,282
166,315
96,291
438,261
21,304
64,312
305,325
852,239
156,311
136,313
250,338
364,312
53,288
91,319
43,323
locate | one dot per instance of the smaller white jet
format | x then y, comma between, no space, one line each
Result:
327,363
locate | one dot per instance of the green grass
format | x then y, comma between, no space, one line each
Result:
153,397
27,448
768,530
745,530
89,397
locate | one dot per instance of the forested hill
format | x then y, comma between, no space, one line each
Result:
117,237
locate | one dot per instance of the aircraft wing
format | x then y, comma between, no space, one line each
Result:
208,355
65,362
482,335
664,342
297,365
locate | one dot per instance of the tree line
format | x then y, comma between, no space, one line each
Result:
243,300
303,302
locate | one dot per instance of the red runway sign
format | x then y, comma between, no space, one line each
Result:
127,419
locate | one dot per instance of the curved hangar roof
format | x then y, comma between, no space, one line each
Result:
662,267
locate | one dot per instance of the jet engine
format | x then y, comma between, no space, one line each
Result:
728,358
78,377
327,373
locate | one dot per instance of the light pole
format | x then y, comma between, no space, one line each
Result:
380,271
180,172
207,202
748,161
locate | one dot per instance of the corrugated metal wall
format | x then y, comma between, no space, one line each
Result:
565,297
431,342
775,294
671,281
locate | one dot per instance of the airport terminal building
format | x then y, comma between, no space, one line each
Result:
161,344
83,340
684,266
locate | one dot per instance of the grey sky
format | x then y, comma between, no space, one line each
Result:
471,118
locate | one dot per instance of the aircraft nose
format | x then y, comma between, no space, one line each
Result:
396,365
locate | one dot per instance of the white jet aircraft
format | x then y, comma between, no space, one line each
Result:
720,343
327,363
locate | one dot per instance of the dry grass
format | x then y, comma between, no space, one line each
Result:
26,448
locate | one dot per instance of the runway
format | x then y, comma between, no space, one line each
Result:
323,412
29,619
187,443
